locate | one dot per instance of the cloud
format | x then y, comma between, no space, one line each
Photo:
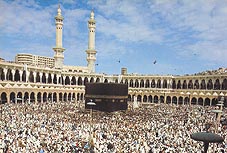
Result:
196,27
125,21
25,19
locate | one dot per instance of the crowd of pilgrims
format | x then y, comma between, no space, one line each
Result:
66,127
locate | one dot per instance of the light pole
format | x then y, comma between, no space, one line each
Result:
91,104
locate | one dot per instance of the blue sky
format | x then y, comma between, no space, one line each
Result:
183,36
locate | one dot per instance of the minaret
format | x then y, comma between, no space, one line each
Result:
91,52
59,56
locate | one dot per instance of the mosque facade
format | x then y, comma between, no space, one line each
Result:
26,81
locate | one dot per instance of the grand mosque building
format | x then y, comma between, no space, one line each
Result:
34,78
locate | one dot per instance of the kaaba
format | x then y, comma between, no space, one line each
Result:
108,97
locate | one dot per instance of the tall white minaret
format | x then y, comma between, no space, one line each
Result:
58,49
91,52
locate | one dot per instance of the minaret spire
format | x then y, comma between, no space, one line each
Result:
58,49
91,52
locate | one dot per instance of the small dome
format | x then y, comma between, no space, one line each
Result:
59,10
92,14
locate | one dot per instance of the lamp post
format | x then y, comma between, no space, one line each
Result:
91,104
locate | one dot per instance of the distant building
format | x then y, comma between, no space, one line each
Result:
34,60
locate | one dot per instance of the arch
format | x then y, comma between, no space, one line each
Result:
207,102
39,97
180,100
159,83
2,74
92,80
145,98
139,98
174,84
9,75
196,84
26,96
121,81
203,84
97,80
55,97
116,81
44,78
186,101
184,85
32,97
149,98
65,97
24,76
155,99
37,77
214,102
61,80
178,84
131,83
105,81
67,80
217,85
142,83
126,81
49,97
174,100
137,83
210,85
17,75
55,81
60,97
147,84
164,83
162,99
200,101
73,80
190,84
31,77
168,100
78,96
194,101
69,97
224,84
85,80
19,97
49,79
81,96
3,98
12,97
74,96
153,84
80,82
44,97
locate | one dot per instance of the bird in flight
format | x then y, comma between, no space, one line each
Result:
155,62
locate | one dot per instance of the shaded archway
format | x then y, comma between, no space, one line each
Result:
17,75
32,97
174,100
44,97
180,100
200,101
12,97
155,99
207,102
3,98
39,97
168,100
194,101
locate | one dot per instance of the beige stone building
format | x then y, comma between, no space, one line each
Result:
24,81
